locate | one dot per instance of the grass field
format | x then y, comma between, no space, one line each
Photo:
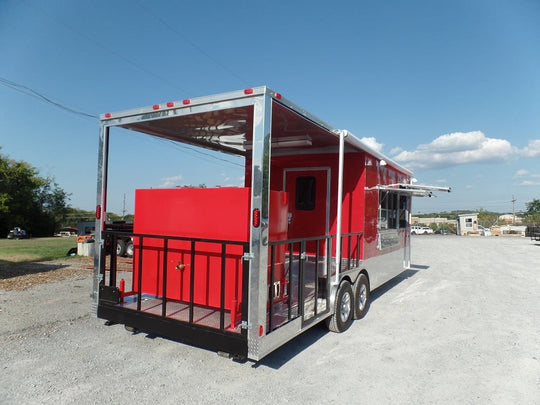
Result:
35,249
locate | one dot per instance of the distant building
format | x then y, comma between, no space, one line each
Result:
433,220
467,224
510,218
86,227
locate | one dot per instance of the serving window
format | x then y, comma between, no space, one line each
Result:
393,210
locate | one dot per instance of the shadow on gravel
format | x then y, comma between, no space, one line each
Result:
285,353
396,280
10,269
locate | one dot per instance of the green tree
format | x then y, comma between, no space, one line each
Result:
533,211
28,200
486,218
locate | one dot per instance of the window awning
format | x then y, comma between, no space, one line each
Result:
412,189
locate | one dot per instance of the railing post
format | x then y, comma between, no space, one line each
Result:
192,282
271,289
139,281
302,279
222,291
112,264
289,303
164,297
316,276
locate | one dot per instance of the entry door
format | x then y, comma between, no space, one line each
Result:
309,201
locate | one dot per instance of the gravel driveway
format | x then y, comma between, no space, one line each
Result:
461,327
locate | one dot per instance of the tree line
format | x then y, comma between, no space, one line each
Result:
27,200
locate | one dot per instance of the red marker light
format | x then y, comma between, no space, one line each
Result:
261,330
248,91
186,102
98,212
155,106
256,217
277,95
108,115
170,104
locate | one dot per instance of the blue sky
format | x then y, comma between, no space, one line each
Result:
449,89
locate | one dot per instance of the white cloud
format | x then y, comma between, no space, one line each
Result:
532,149
396,150
170,181
441,181
469,187
372,143
529,183
520,173
456,149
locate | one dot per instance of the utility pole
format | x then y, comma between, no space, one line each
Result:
513,210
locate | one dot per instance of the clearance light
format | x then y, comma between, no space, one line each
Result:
256,217
278,96
170,104
248,91
155,106
261,330
108,115
98,212
186,101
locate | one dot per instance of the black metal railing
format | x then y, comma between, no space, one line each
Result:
308,266
144,243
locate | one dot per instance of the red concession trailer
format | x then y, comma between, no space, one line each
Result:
321,220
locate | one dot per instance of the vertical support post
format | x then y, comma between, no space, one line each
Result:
101,203
260,180
342,135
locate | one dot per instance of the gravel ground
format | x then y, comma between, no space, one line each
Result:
462,326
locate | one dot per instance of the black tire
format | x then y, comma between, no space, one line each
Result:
361,297
343,315
120,248
129,248
72,252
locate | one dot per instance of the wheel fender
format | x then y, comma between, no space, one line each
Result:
334,290
364,272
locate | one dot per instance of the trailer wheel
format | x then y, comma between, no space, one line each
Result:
361,297
120,248
129,249
343,309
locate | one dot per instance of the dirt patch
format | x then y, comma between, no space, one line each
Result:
20,276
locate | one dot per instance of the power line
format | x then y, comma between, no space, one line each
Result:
185,148
34,93
110,50
191,43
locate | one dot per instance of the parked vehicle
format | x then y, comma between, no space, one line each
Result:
484,231
421,230
441,231
17,233
321,221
